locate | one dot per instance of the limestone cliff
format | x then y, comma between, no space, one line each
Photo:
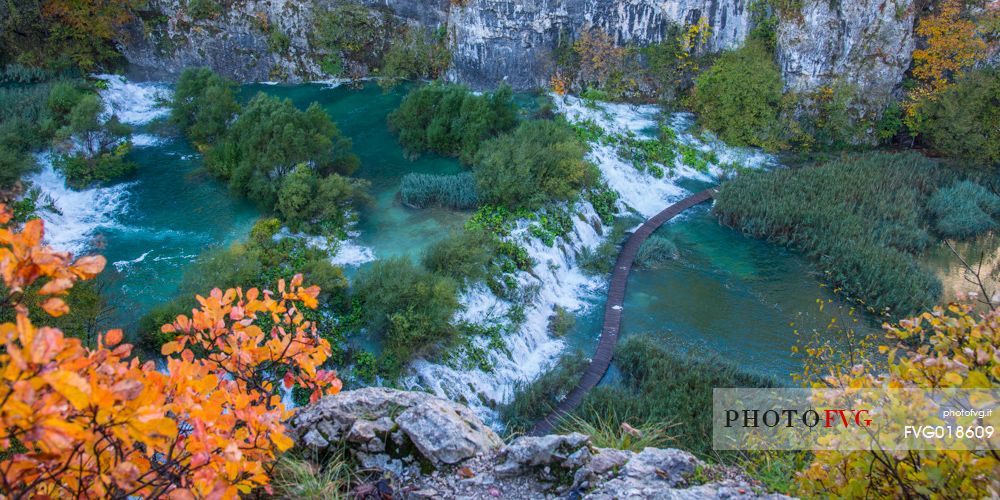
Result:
866,41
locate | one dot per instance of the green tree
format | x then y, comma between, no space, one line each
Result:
408,307
309,202
451,120
101,145
203,105
540,161
962,121
738,98
269,139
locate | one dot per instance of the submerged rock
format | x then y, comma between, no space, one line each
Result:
428,447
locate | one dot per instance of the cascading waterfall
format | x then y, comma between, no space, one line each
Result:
82,212
556,276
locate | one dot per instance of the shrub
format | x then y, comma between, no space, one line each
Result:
655,252
945,336
662,386
102,144
203,104
961,121
186,416
541,161
203,9
561,321
449,191
417,53
451,120
309,203
355,32
963,210
408,308
738,98
862,233
463,256
270,139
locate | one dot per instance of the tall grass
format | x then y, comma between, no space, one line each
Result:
655,252
299,478
658,385
619,432
449,191
963,210
534,400
860,217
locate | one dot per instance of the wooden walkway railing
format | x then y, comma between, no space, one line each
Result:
613,312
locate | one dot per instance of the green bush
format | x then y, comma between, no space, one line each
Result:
463,256
102,144
534,400
203,104
738,98
418,53
269,140
962,121
449,191
203,9
408,308
355,32
664,386
451,120
316,204
963,210
655,252
541,161
859,216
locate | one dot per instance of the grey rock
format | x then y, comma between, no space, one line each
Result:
531,452
367,420
865,42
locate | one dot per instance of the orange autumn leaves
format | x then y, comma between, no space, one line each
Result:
95,422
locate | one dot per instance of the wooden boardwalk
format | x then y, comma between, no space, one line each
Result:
613,312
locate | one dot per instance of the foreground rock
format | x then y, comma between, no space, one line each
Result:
427,447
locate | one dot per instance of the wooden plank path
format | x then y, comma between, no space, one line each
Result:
613,312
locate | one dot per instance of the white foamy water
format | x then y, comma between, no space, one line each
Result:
134,103
556,278
346,252
82,213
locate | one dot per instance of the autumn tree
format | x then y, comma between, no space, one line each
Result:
78,422
948,347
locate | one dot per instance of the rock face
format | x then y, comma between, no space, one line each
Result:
429,447
865,42
511,41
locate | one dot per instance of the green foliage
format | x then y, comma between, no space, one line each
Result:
417,53
19,73
858,216
203,9
963,210
308,202
600,260
660,385
550,224
962,121
739,96
26,124
540,161
533,400
268,142
451,120
365,366
278,41
604,200
366,39
449,191
463,256
259,262
102,145
655,252
408,308
296,477
203,105
561,322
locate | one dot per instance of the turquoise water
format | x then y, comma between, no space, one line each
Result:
727,295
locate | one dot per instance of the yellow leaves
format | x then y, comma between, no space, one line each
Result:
171,347
89,266
71,386
282,441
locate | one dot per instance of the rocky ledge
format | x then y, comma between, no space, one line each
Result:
422,446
